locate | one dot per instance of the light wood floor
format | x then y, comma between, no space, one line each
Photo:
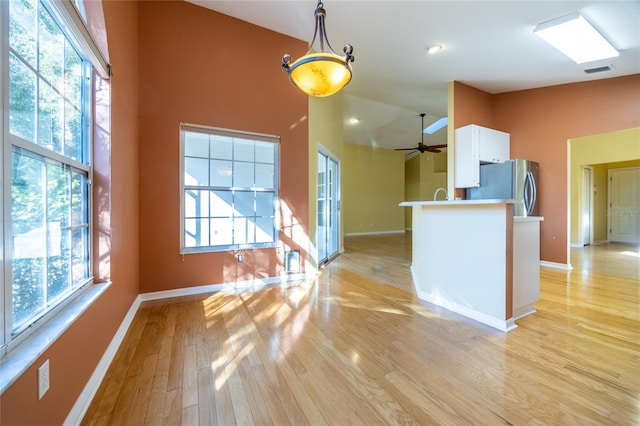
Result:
355,347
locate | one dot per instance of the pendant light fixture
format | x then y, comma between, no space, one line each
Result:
321,71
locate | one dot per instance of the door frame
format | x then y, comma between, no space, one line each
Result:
337,222
587,195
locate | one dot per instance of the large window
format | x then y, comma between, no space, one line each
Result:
229,189
46,160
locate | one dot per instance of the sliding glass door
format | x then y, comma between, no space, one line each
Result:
328,219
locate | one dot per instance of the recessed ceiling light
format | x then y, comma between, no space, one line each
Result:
434,49
354,120
574,36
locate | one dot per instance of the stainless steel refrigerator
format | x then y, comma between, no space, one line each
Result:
513,179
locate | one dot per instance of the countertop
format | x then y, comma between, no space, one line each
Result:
456,202
528,218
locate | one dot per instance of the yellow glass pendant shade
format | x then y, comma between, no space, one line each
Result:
320,74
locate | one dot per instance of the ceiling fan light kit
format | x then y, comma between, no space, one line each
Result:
421,146
321,71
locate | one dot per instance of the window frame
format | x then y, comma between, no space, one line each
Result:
11,337
218,131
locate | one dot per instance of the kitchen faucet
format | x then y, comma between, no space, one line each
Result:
435,195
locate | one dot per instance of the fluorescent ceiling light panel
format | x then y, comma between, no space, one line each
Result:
577,38
436,126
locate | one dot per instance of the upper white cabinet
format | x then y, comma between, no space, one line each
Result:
477,145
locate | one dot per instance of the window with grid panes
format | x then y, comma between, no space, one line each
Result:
229,189
46,156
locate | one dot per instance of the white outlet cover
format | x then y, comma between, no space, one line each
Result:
43,379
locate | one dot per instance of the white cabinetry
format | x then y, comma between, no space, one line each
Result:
526,265
477,145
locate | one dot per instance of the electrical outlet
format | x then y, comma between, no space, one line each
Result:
240,257
43,379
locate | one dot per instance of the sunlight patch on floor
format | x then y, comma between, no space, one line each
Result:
631,253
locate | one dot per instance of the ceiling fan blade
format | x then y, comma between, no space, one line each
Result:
422,148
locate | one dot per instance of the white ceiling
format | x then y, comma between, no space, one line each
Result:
489,45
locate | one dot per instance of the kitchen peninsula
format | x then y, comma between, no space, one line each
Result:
475,258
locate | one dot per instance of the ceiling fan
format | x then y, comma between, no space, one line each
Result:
421,146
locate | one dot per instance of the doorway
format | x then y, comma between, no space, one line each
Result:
587,205
624,205
328,219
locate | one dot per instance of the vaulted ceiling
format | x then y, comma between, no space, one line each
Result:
489,45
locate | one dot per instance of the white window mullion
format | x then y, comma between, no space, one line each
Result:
5,277
44,152
47,232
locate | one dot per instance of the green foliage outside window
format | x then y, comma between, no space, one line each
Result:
49,196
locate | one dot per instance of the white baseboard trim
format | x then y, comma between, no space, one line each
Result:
502,325
84,400
91,388
523,311
362,234
252,285
593,243
565,266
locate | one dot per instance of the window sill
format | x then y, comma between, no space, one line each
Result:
19,358
230,248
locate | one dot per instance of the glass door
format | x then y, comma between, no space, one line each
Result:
328,221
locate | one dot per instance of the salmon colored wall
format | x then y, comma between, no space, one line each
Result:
541,121
470,106
74,356
199,66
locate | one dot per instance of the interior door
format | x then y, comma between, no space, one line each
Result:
587,205
624,205
328,215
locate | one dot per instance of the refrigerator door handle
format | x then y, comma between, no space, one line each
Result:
534,192
525,194
529,193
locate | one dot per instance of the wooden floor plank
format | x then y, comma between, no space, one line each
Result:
206,398
222,396
189,378
307,403
356,346
279,399
155,408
